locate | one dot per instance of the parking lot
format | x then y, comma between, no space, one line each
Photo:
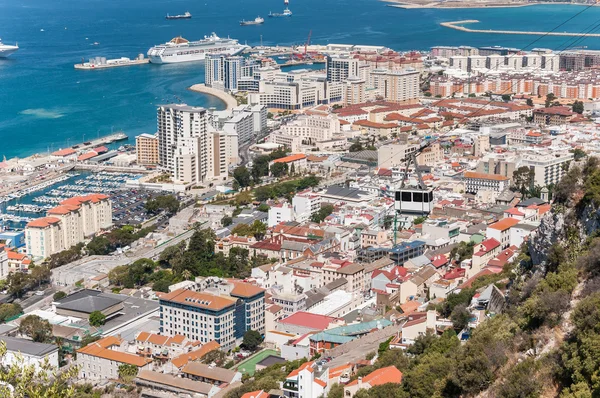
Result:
128,206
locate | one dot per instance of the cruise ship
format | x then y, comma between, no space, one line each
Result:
6,50
182,50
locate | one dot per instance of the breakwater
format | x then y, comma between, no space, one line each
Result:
457,25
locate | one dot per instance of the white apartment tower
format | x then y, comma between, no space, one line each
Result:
340,68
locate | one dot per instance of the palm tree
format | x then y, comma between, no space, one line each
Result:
186,274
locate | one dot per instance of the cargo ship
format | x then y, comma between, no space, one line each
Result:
257,21
186,15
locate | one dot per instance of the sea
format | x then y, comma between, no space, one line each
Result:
45,104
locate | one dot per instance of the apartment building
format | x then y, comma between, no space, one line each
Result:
225,72
548,168
302,382
101,359
355,91
281,212
146,149
394,155
313,128
475,182
31,353
305,204
554,115
208,315
342,67
68,224
396,86
293,143
500,231
189,149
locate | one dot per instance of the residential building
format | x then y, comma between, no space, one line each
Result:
396,86
341,67
548,168
146,149
394,155
101,359
162,384
313,128
32,353
296,163
554,115
500,231
302,383
206,316
189,149
68,224
305,204
281,212
378,377
209,374
475,182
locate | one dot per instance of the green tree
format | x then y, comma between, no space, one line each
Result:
279,169
242,176
523,179
36,328
8,311
252,340
578,107
263,207
356,146
59,295
419,220
336,391
550,98
578,154
506,97
460,317
521,381
17,283
322,213
226,221
127,372
529,102
97,318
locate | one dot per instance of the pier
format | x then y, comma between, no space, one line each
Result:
456,25
103,63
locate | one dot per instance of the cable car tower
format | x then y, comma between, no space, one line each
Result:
413,200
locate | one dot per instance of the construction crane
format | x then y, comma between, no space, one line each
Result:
414,200
307,42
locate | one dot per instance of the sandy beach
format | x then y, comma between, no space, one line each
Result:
229,100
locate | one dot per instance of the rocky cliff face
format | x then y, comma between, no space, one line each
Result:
554,225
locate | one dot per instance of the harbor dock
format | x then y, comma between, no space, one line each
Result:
457,26
103,63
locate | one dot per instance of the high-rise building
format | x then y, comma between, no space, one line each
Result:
146,148
396,86
340,68
191,150
225,72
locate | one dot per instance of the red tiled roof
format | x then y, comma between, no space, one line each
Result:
306,319
42,222
485,176
305,365
64,152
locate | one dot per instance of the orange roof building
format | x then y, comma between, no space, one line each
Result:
378,377
101,359
475,182
68,224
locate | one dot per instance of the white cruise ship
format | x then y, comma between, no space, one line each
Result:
6,50
182,50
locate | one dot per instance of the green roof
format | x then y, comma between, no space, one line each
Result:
344,334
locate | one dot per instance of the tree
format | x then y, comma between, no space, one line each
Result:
578,154
226,221
506,97
19,379
462,252
242,176
263,207
8,311
127,372
97,318
59,295
529,102
523,179
336,391
217,356
243,198
356,146
550,97
427,93
322,213
419,220
168,203
578,107
252,340
17,283
36,328
293,169
460,317
279,169
40,274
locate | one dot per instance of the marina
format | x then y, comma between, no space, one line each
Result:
103,63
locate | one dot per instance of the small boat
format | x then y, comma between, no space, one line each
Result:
282,57
285,13
186,15
41,30
257,21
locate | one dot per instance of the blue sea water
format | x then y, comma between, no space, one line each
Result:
45,104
